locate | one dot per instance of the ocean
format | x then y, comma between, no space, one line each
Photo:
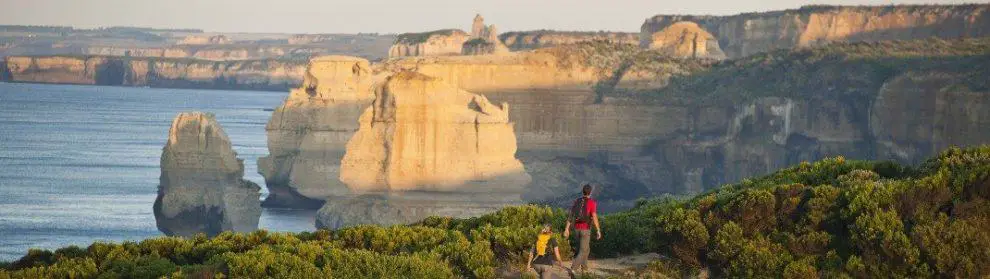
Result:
80,164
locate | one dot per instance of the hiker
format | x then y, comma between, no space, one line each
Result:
544,262
583,212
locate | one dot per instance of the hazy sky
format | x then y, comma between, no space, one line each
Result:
397,16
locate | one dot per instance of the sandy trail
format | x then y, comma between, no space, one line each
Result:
626,265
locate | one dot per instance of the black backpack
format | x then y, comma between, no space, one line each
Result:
579,211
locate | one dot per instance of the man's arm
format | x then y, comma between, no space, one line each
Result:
556,254
594,217
567,228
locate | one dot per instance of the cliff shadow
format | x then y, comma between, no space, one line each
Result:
5,74
112,72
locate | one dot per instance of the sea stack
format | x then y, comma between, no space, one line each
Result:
308,133
426,147
202,188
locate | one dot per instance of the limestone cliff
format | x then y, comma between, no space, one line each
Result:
686,39
157,72
899,101
308,132
642,123
433,43
369,47
566,133
427,148
746,34
422,134
548,38
202,187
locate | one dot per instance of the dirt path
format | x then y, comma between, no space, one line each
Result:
608,266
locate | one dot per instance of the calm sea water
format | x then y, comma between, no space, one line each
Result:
81,163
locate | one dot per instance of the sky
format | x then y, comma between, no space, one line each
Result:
380,16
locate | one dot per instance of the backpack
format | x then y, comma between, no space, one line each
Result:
579,211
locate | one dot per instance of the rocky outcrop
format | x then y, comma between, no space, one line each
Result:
481,31
157,72
547,38
308,132
427,148
433,43
483,47
422,134
202,188
686,39
478,28
746,34
484,39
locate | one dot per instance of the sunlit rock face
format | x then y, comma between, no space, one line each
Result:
686,39
433,43
746,34
423,134
426,147
308,133
202,188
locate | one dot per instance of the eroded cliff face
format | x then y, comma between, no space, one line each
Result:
920,113
433,43
642,123
567,134
687,40
157,72
427,148
308,132
202,188
747,34
901,101
686,125
545,38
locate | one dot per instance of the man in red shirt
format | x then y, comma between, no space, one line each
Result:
583,211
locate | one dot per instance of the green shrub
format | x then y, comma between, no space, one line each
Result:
686,234
366,264
833,218
266,263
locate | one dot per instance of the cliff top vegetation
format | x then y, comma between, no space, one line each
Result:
830,8
415,38
569,33
831,218
854,70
